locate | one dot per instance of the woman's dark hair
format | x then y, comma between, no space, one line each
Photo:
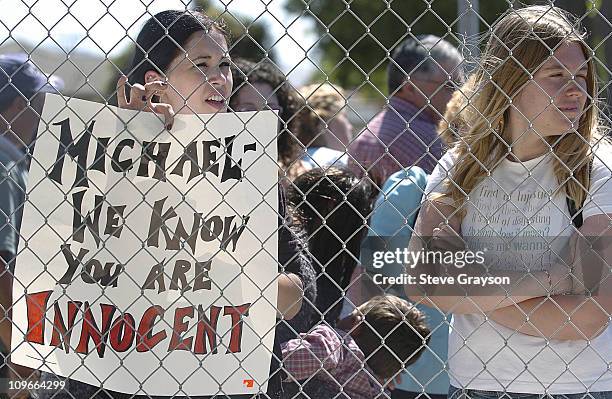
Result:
163,36
331,207
245,72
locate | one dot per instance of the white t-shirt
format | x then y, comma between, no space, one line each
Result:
517,201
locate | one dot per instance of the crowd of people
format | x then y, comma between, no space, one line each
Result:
445,159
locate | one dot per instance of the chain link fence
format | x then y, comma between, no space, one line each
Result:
425,214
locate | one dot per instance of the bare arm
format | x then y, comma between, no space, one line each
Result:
290,293
564,317
453,298
577,316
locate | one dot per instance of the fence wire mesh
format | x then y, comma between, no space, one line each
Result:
425,213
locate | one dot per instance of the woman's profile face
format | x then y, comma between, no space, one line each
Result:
201,82
556,97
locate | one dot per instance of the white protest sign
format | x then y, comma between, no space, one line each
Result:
147,256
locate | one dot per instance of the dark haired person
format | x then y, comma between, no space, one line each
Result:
260,86
331,206
419,89
181,66
20,82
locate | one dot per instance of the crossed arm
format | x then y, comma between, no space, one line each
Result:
577,316
565,317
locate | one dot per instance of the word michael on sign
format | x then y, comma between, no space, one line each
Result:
128,154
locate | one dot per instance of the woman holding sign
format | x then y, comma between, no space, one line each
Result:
529,168
181,66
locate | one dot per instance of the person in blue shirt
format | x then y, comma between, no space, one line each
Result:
391,225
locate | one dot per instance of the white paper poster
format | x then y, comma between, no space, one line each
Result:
147,256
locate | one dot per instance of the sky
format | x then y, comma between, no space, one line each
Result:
109,26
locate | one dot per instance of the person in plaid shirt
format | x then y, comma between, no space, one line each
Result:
334,360
422,76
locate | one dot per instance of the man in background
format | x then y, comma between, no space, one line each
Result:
397,150
422,74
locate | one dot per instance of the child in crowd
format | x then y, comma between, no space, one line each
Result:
381,337
330,207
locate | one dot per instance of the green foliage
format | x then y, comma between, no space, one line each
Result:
363,33
250,38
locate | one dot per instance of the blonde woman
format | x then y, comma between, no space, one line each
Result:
325,130
528,151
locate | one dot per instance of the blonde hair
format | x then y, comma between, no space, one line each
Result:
323,103
450,125
520,43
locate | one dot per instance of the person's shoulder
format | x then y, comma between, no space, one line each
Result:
349,343
344,336
601,166
381,123
599,200
324,329
324,156
366,145
442,171
412,178
368,135
411,175
324,335
602,157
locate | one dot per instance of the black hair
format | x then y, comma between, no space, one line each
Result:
245,72
163,36
331,207
418,55
21,78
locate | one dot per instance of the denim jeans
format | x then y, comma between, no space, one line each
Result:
457,393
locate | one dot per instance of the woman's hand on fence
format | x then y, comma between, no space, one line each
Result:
141,99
